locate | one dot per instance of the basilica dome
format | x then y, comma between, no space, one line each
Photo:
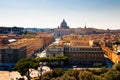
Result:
64,25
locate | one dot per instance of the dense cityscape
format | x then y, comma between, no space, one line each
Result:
59,40
27,54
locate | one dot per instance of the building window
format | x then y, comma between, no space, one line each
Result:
53,55
9,55
80,49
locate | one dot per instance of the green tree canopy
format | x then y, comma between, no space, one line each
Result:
86,75
52,59
65,77
112,75
116,66
73,73
24,65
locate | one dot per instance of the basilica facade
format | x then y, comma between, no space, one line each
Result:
62,30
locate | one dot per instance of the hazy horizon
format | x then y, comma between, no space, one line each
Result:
100,14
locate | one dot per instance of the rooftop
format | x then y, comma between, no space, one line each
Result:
117,52
55,46
84,47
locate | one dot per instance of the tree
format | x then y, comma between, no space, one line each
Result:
24,65
86,75
104,70
99,71
47,75
57,72
73,73
116,66
61,59
98,77
52,59
65,77
58,59
112,75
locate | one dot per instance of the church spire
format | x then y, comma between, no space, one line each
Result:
11,32
85,26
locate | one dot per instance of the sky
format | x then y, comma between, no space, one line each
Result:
100,14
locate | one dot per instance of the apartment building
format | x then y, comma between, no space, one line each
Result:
11,54
84,55
112,53
83,50
54,50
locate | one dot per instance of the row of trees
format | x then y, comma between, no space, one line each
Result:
24,65
84,74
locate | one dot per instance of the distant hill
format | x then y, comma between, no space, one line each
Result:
39,29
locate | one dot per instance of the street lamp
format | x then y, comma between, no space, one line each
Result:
40,69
